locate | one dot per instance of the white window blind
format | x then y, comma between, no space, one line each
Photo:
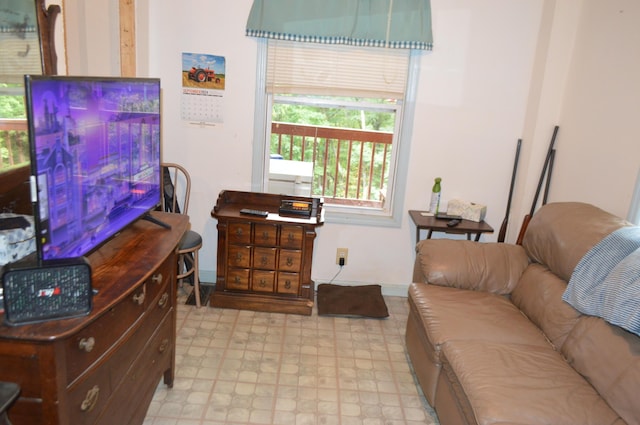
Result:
318,69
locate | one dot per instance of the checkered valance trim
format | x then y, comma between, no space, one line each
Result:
340,40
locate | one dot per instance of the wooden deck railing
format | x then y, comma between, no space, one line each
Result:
349,166
14,143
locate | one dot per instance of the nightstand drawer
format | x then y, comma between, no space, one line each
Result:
239,256
264,258
263,281
290,261
238,279
240,233
265,234
291,236
288,283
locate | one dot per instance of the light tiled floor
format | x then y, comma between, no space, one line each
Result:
245,367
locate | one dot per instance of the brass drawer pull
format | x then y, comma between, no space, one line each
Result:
239,256
163,345
139,298
265,236
91,399
264,260
87,344
239,231
289,261
263,283
291,237
163,300
236,279
287,284
157,278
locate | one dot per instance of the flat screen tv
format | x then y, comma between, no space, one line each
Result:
95,158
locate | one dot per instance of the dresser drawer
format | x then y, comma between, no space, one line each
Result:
122,359
239,233
89,397
158,282
237,279
239,256
291,236
265,234
290,260
263,280
288,283
91,343
147,366
264,258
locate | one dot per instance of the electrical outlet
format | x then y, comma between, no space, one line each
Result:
342,253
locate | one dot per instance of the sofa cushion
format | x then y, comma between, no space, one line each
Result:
487,267
558,237
454,314
609,358
521,384
539,297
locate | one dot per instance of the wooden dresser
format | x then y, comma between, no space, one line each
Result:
103,368
264,263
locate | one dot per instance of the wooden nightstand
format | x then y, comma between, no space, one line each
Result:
264,263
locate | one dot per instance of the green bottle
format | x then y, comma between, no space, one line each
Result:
434,205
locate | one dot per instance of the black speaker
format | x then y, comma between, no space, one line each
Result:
55,290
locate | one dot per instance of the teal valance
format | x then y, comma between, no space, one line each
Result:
401,24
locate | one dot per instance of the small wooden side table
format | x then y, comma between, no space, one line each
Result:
433,224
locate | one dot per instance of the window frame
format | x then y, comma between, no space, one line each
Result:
391,215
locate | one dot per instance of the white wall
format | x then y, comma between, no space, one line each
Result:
499,71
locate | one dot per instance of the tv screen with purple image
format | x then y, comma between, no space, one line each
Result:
95,158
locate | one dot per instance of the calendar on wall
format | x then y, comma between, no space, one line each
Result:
203,82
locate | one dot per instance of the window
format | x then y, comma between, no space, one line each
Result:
344,111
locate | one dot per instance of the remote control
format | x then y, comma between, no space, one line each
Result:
453,223
258,213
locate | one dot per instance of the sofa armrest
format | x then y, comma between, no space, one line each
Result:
490,267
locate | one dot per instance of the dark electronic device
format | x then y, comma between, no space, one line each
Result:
444,216
453,223
258,213
295,207
95,158
57,290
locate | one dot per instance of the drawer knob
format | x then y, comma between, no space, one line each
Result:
163,300
91,399
157,278
239,231
265,236
264,260
289,261
291,237
287,284
238,256
263,283
139,298
87,344
163,345
236,279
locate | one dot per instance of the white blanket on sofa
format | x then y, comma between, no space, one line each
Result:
606,281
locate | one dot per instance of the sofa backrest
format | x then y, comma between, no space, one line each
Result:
560,234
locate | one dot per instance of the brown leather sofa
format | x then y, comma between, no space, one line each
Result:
492,342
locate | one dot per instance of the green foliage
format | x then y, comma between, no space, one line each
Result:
11,106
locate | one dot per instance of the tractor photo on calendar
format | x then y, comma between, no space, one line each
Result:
203,71
203,75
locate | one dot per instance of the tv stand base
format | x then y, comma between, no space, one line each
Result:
152,219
